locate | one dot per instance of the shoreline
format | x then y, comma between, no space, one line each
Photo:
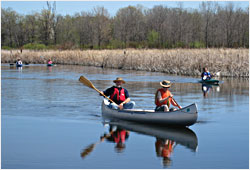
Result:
186,62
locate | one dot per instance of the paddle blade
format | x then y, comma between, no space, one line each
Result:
86,82
87,150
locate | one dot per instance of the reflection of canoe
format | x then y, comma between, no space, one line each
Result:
183,117
183,136
211,81
50,65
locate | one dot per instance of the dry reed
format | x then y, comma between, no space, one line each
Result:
230,62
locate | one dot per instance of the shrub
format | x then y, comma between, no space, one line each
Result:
6,48
153,37
197,44
35,46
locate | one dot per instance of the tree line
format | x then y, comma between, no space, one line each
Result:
210,26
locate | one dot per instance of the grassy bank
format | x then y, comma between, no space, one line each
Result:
230,62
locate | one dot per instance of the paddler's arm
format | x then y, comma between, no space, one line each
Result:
173,102
107,92
161,100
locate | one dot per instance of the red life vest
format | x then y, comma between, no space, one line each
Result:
118,97
165,94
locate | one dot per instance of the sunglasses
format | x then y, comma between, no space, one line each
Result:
164,83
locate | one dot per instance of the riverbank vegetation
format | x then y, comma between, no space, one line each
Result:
210,26
229,62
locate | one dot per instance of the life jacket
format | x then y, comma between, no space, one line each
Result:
163,95
206,76
19,63
119,97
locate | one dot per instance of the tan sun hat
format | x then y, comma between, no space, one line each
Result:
165,83
119,79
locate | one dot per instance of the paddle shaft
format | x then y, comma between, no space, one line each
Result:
91,147
104,95
176,102
88,83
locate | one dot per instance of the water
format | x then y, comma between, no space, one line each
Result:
50,119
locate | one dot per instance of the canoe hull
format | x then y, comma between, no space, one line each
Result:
19,65
186,116
211,81
49,65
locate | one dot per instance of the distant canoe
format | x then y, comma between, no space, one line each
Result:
211,81
19,65
186,116
50,65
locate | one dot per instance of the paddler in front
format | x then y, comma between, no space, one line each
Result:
163,98
119,95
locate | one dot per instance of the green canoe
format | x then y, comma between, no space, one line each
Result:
211,81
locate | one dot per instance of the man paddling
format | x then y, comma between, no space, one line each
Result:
163,97
119,95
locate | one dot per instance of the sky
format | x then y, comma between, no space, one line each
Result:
72,7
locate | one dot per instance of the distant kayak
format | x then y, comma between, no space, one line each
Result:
50,65
211,81
19,65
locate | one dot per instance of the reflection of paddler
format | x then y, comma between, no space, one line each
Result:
164,148
206,88
115,134
91,147
119,136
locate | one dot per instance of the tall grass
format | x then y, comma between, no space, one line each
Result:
230,62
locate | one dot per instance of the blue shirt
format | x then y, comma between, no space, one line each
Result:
207,74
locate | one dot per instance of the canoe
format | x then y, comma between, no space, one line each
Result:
186,116
50,65
19,65
211,81
183,136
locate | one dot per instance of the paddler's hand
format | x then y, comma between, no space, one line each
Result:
120,106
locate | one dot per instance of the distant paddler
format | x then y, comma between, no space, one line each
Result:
163,98
206,75
19,63
50,63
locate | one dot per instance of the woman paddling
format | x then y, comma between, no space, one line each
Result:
163,98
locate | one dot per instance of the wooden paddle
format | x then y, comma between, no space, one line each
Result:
88,83
176,102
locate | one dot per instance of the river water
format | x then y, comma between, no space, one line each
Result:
51,120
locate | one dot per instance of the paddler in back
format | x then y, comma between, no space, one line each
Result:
119,95
163,98
206,74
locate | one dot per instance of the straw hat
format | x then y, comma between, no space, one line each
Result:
165,83
119,79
